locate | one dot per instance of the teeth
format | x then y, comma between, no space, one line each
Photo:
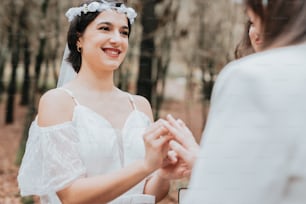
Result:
114,52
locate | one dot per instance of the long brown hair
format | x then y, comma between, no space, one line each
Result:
284,21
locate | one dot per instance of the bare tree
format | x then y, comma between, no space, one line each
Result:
25,27
3,58
42,43
5,40
149,25
56,21
15,44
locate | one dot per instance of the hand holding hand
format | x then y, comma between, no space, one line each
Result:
184,144
156,139
174,167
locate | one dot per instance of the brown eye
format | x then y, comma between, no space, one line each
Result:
126,33
105,28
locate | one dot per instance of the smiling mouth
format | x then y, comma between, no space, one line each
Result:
113,52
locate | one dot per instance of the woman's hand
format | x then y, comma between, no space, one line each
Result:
156,139
184,143
174,167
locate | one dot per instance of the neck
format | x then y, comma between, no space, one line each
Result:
102,82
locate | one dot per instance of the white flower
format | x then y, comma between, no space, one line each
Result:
72,12
131,14
99,7
93,7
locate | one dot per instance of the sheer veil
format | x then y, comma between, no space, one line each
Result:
67,72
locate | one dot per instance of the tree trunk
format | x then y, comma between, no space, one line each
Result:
148,20
25,97
54,54
45,77
42,43
2,66
12,85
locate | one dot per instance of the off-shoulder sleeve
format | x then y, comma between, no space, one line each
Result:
51,160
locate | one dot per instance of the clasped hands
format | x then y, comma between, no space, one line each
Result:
174,144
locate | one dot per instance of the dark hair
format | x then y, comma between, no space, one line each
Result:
76,30
283,21
244,47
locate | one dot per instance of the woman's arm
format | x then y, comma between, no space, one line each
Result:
158,186
104,188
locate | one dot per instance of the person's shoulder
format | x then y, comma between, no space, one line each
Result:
55,106
274,56
142,104
252,64
55,98
267,61
239,73
141,101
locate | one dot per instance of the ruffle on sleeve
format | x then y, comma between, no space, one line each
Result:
51,160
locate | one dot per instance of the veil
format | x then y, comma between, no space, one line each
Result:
67,72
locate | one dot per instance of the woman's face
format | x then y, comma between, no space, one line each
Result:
105,41
255,30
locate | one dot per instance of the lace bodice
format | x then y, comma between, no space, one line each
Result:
86,146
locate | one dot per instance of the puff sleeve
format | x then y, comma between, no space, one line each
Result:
51,160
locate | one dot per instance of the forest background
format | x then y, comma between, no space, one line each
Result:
177,48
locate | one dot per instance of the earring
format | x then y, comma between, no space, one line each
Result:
79,49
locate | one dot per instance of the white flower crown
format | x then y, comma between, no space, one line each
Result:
101,6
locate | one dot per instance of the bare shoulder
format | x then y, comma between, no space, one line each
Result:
143,105
55,107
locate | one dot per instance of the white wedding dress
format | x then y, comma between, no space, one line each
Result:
87,146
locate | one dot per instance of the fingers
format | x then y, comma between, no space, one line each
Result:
181,132
174,122
161,140
189,154
156,130
175,130
175,171
183,125
154,126
187,173
172,155
179,149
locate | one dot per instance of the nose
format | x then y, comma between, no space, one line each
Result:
115,37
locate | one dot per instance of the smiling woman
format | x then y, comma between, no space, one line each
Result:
92,142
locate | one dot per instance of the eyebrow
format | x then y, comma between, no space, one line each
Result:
110,24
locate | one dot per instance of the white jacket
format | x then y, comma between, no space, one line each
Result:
253,150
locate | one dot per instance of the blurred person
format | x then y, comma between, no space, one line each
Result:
244,47
253,148
92,142
250,43
255,37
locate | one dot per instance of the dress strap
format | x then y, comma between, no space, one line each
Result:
70,94
132,101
